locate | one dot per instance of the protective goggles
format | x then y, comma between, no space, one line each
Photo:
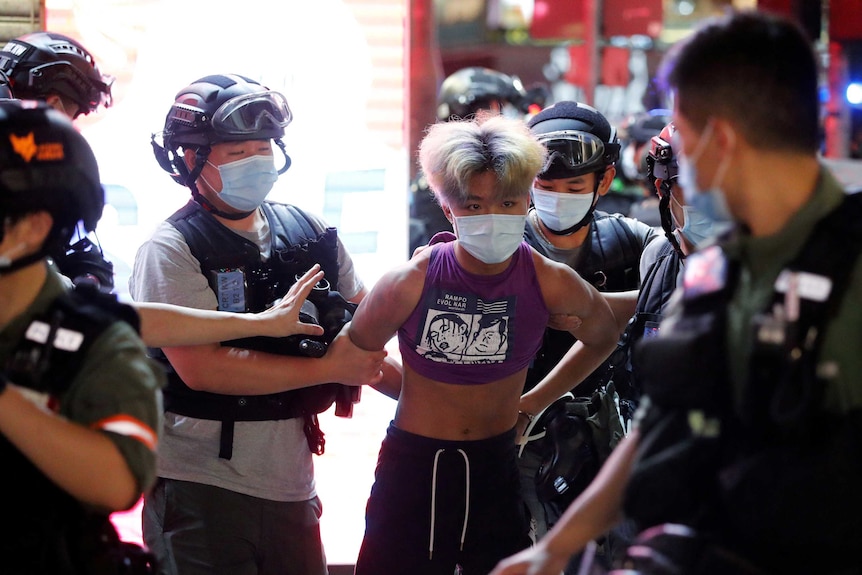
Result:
251,113
572,152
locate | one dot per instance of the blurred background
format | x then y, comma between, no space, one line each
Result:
362,78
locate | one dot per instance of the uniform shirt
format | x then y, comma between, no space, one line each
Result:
116,390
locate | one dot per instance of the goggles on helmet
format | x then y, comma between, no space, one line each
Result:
571,152
251,113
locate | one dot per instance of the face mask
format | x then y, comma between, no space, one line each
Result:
696,227
561,211
246,183
710,203
490,238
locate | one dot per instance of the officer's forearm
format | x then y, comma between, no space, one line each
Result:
81,461
599,507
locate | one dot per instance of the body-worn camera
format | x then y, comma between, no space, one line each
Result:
661,160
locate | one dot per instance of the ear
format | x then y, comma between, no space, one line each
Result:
189,158
447,212
607,180
725,133
31,230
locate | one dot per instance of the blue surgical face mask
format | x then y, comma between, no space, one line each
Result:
710,203
245,183
490,238
696,227
560,211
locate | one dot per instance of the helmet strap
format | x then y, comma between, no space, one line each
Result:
665,217
23,262
287,160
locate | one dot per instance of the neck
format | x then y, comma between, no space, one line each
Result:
774,187
569,242
19,289
247,224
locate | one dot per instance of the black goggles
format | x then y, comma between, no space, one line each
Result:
251,113
572,151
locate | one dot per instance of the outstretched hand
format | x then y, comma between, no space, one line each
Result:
282,319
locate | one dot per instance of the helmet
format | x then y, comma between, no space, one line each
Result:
470,90
45,63
223,108
45,164
5,89
579,139
215,109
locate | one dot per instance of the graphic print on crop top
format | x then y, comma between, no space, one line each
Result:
463,329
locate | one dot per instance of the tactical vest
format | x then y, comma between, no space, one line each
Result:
53,532
655,292
610,265
244,283
772,475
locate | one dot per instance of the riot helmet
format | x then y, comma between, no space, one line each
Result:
46,165
44,63
472,89
216,109
579,141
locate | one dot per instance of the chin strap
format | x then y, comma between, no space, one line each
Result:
7,267
666,219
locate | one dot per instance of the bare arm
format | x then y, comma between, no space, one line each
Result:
567,293
384,310
593,513
622,305
81,461
167,325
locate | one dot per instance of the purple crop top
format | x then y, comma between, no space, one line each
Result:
471,329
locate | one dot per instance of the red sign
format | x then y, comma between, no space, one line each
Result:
558,20
845,20
627,18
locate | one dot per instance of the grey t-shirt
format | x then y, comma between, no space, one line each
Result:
270,459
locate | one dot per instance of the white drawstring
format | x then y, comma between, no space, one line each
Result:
467,496
434,500
433,503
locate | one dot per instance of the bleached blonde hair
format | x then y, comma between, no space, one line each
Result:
453,152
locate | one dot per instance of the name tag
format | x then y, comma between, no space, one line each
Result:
808,286
231,290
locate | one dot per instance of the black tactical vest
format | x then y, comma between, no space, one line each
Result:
244,283
610,265
770,475
52,532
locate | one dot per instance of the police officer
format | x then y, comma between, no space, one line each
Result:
58,70
747,457
603,248
462,94
239,434
78,396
